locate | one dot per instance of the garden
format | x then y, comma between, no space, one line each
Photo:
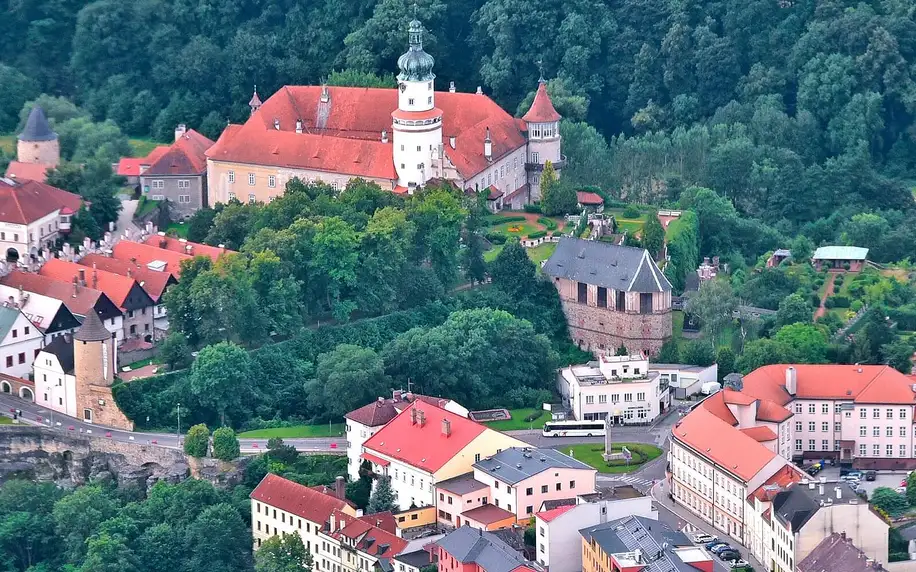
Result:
522,419
592,454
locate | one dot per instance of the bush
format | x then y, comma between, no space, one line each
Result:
838,281
537,234
837,302
631,211
534,416
548,222
856,305
197,441
225,444
496,237
815,300
532,208
491,220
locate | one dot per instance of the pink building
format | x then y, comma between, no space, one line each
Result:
470,550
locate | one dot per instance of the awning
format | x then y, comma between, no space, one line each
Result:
375,460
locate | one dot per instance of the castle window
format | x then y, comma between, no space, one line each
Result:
621,300
429,99
645,303
272,181
231,176
429,86
582,292
535,157
410,101
251,179
602,297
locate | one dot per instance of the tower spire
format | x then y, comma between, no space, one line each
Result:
541,71
255,102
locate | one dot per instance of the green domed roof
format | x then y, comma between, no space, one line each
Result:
415,64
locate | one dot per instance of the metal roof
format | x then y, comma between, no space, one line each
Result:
654,539
840,253
608,265
487,550
516,464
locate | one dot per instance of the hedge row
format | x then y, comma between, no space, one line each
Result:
492,220
548,222
537,234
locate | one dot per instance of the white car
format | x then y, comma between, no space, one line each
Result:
703,538
739,563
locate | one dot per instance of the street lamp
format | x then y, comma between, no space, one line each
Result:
179,426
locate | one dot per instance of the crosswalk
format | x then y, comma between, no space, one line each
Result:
637,482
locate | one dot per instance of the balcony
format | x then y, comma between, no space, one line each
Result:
537,167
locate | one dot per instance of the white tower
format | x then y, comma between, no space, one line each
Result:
416,124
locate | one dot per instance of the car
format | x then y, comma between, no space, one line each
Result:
703,538
870,475
901,490
727,555
709,545
860,490
739,563
851,477
720,547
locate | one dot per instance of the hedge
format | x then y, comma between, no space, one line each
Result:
837,302
683,248
548,222
496,237
492,220
533,208
537,234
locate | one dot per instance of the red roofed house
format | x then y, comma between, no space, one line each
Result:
132,167
183,246
33,216
179,176
153,257
124,291
399,138
426,444
587,199
371,543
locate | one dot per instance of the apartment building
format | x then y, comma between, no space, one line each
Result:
637,543
467,549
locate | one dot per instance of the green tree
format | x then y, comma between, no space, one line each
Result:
78,514
911,489
357,78
174,351
899,355
808,342
200,223
555,197
653,236
512,270
348,377
698,352
802,248
225,444
888,500
109,554
197,441
383,497
792,309
725,359
232,553
220,377
284,553
669,353
713,304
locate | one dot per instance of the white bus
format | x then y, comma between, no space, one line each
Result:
574,429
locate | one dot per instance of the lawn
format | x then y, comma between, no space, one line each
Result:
490,255
179,229
677,327
8,144
524,228
296,432
145,207
541,253
590,454
4,420
142,147
518,422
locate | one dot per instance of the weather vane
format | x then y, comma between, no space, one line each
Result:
541,69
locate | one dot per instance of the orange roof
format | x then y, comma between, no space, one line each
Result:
30,171
366,537
773,412
586,198
549,515
116,287
152,281
25,201
297,499
761,434
859,383
78,300
186,156
375,459
139,253
737,398
779,481
179,245
130,166
344,134
424,446
715,404
542,110
495,193
716,440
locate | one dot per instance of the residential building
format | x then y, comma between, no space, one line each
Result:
132,167
33,216
415,560
558,543
612,296
425,444
37,149
638,543
620,388
837,553
457,496
467,549
55,381
851,258
49,315
20,341
399,138
77,298
684,380
184,246
125,292
589,200
151,255
363,423
179,176
357,544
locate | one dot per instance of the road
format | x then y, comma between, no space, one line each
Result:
126,216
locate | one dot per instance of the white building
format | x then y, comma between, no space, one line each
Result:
49,315
619,387
55,382
559,544
20,342
38,214
685,380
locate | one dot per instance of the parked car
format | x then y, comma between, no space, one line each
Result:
901,490
860,490
739,563
720,547
870,475
851,477
703,538
709,545
728,555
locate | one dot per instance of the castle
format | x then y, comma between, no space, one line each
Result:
37,149
399,138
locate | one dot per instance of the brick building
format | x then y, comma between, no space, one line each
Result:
612,296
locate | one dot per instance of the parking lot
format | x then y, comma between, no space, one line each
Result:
882,479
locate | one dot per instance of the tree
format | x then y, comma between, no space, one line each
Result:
572,106
793,308
512,270
279,451
669,353
220,377
653,236
698,352
713,304
557,198
225,444
77,515
806,341
348,377
899,355
174,351
200,223
232,553
888,500
284,553
357,78
801,248
383,497
109,554
911,489
725,359
197,441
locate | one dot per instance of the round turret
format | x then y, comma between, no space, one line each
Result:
38,142
415,64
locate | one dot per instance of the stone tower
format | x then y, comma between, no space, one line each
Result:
543,124
416,123
37,142
94,362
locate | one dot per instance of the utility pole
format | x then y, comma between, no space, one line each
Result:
179,426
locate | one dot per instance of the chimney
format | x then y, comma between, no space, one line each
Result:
82,272
479,90
396,394
76,287
384,136
451,87
277,124
95,278
340,487
452,141
180,131
488,146
413,415
298,126
421,418
446,427
791,380
325,94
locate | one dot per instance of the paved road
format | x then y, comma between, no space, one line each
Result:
126,216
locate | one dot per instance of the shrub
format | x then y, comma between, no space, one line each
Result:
815,300
492,220
837,302
225,444
197,440
496,237
548,222
856,305
532,208
631,211
838,281
537,234
534,416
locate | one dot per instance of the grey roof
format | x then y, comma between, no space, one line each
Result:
417,558
62,347
840,253
8,317
797,504
652,537
837,553
92,329
487,550
612,493
605,264
462,484
516,464
37,127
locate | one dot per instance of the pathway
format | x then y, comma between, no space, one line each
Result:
828,291
126,216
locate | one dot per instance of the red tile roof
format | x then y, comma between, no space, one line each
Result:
494,193
31,171
859,383
139,253
179,245
375,459
716,440
23,202
773,412
384,520
549,515
424,446
715,404
381,411
737,398
115,286
186,156
152,281
586,198
133,166
369,539
297,499
344,135
779,481
542,110
78,300
761,434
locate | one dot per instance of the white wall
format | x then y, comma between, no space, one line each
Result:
54,389
22,343
412,485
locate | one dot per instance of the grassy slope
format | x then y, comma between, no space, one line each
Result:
296,431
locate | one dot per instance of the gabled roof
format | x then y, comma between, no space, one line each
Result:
366,536
62,348
8,316
182,246
652,538
153,282
609,265
186,156
837,553
462,484
859,383
760,434
777,482
515,464
469,545
25,201
140,253
840,253
48,314
770,411
78,299
28,171
542,110
587,198
488,514
550,515
120,289
383,410
424,446
297,499
37,127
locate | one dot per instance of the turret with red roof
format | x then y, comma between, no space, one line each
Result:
543,125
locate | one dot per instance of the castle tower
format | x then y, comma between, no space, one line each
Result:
417,123
255,102
94,360
37,142
543,123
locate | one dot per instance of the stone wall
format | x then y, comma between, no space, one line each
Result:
47,152
601,329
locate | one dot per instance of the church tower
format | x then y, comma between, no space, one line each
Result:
37,142
94,362
543,124
417,122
